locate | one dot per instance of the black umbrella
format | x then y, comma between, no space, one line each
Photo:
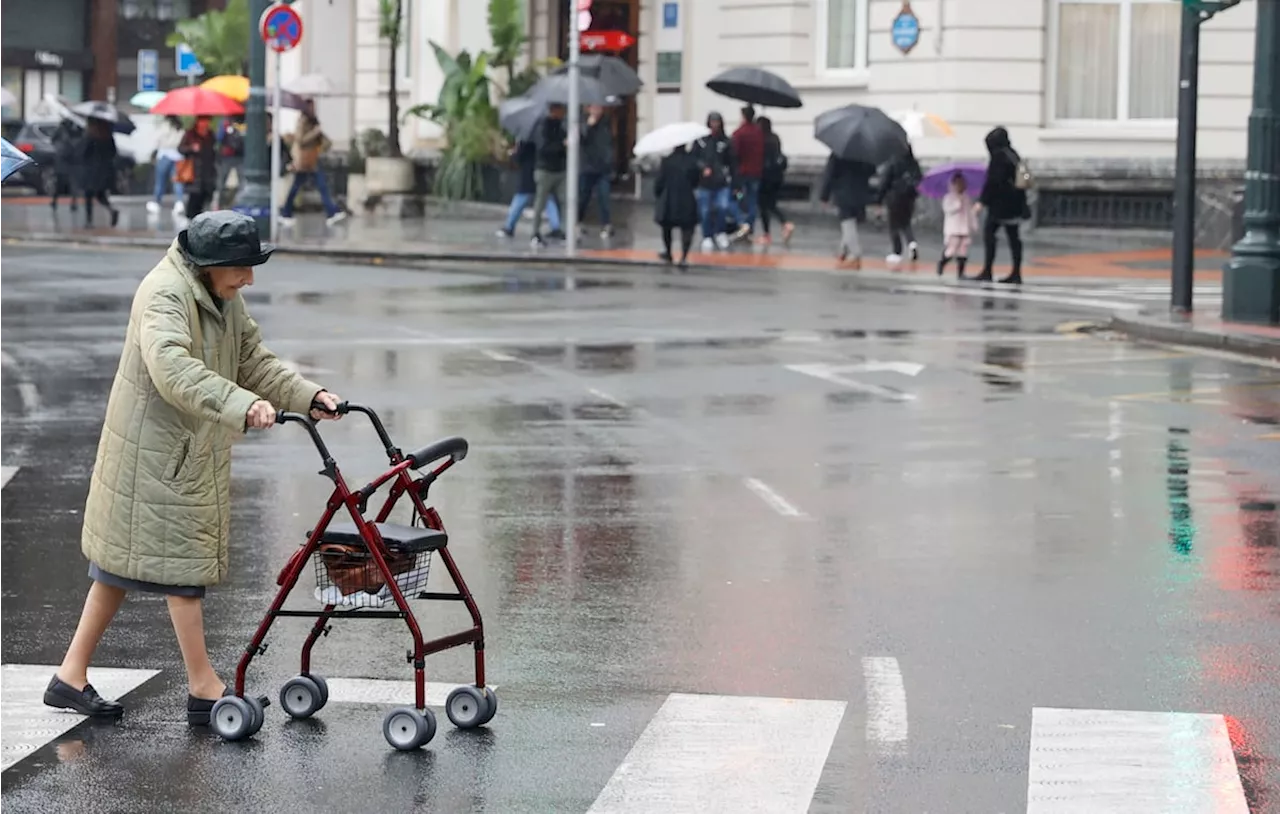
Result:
107,112
520,115
860,133
554,90
617,77
755,86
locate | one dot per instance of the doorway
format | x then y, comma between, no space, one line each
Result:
612,15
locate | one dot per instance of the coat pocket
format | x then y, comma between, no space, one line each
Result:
178,460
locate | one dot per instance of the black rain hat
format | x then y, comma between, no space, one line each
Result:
223,238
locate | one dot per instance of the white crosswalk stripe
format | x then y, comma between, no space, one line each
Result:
1108,762
718,753
6,475
26,724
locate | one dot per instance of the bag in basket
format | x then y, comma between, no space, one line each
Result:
352,569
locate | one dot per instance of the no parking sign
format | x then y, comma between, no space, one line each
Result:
281,28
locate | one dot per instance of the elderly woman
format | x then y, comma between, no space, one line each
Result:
194,375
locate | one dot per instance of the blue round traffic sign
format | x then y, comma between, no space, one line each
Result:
281,28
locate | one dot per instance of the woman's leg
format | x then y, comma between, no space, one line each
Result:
768,194
542,183
989,227
666,243
1015,252
286,211
187,614
164,169
686,243
100,608
88,208
519,202
195,202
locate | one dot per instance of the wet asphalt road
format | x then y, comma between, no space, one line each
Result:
680,485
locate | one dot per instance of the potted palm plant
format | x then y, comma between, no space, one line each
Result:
392,173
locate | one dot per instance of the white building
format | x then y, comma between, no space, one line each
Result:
1072,79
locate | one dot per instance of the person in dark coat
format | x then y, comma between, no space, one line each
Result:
898,185
847,184
716,162
68,157
675,204
748,152
775,172
597,166
526,157
1005,204
99,169
199,147
552,140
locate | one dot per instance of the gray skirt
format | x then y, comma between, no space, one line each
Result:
108,578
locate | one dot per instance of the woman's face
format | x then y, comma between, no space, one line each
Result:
202,125
227,280
957,184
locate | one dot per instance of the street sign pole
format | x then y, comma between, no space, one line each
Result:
275,152
1184,191
570,216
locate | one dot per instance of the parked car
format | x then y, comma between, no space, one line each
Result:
36,140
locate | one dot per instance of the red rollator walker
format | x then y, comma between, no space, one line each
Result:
362,566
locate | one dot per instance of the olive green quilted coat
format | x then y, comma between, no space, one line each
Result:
159,500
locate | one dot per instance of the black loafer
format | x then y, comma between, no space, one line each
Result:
61,695
199,709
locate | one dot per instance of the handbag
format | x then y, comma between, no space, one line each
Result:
352,569
1022,177
184,172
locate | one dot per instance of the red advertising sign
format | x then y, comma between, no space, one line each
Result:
606,40
584,5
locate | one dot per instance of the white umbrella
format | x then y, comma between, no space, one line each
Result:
667,138
920,124
311,84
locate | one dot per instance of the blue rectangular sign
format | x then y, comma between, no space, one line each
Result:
186,62
148,70
670,15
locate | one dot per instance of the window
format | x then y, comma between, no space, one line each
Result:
1117,60
842,35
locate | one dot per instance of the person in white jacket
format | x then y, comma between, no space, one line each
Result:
958,224
168,137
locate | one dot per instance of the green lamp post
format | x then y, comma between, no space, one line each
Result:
1251,282
255,199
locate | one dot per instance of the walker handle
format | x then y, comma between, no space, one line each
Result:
284,417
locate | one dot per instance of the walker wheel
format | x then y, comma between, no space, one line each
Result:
492,698
231,718
301,697
466,707
324,689
407,729
259,716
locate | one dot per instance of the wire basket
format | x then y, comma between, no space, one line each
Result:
347,576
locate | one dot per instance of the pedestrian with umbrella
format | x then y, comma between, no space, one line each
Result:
860,138
748,152
775,172
1005,200
597,166
106,112
99,169
525,154
955,183
675,205
551,155
198,170
68,162
169,135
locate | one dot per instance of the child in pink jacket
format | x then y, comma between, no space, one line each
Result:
957,225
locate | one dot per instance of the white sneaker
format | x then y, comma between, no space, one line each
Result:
287,221
914,248
336,218
893,259
722,240
179,208
708,245
606,232
153,207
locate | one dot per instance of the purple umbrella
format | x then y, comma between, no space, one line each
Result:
937,182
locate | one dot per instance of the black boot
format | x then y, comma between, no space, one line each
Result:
984,277
942,264
1013,279
960,263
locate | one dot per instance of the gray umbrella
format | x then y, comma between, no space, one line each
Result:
520,115
554,90
107,112
617,77
755,86
860,133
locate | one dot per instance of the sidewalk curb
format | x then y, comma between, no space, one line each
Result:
1158,330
